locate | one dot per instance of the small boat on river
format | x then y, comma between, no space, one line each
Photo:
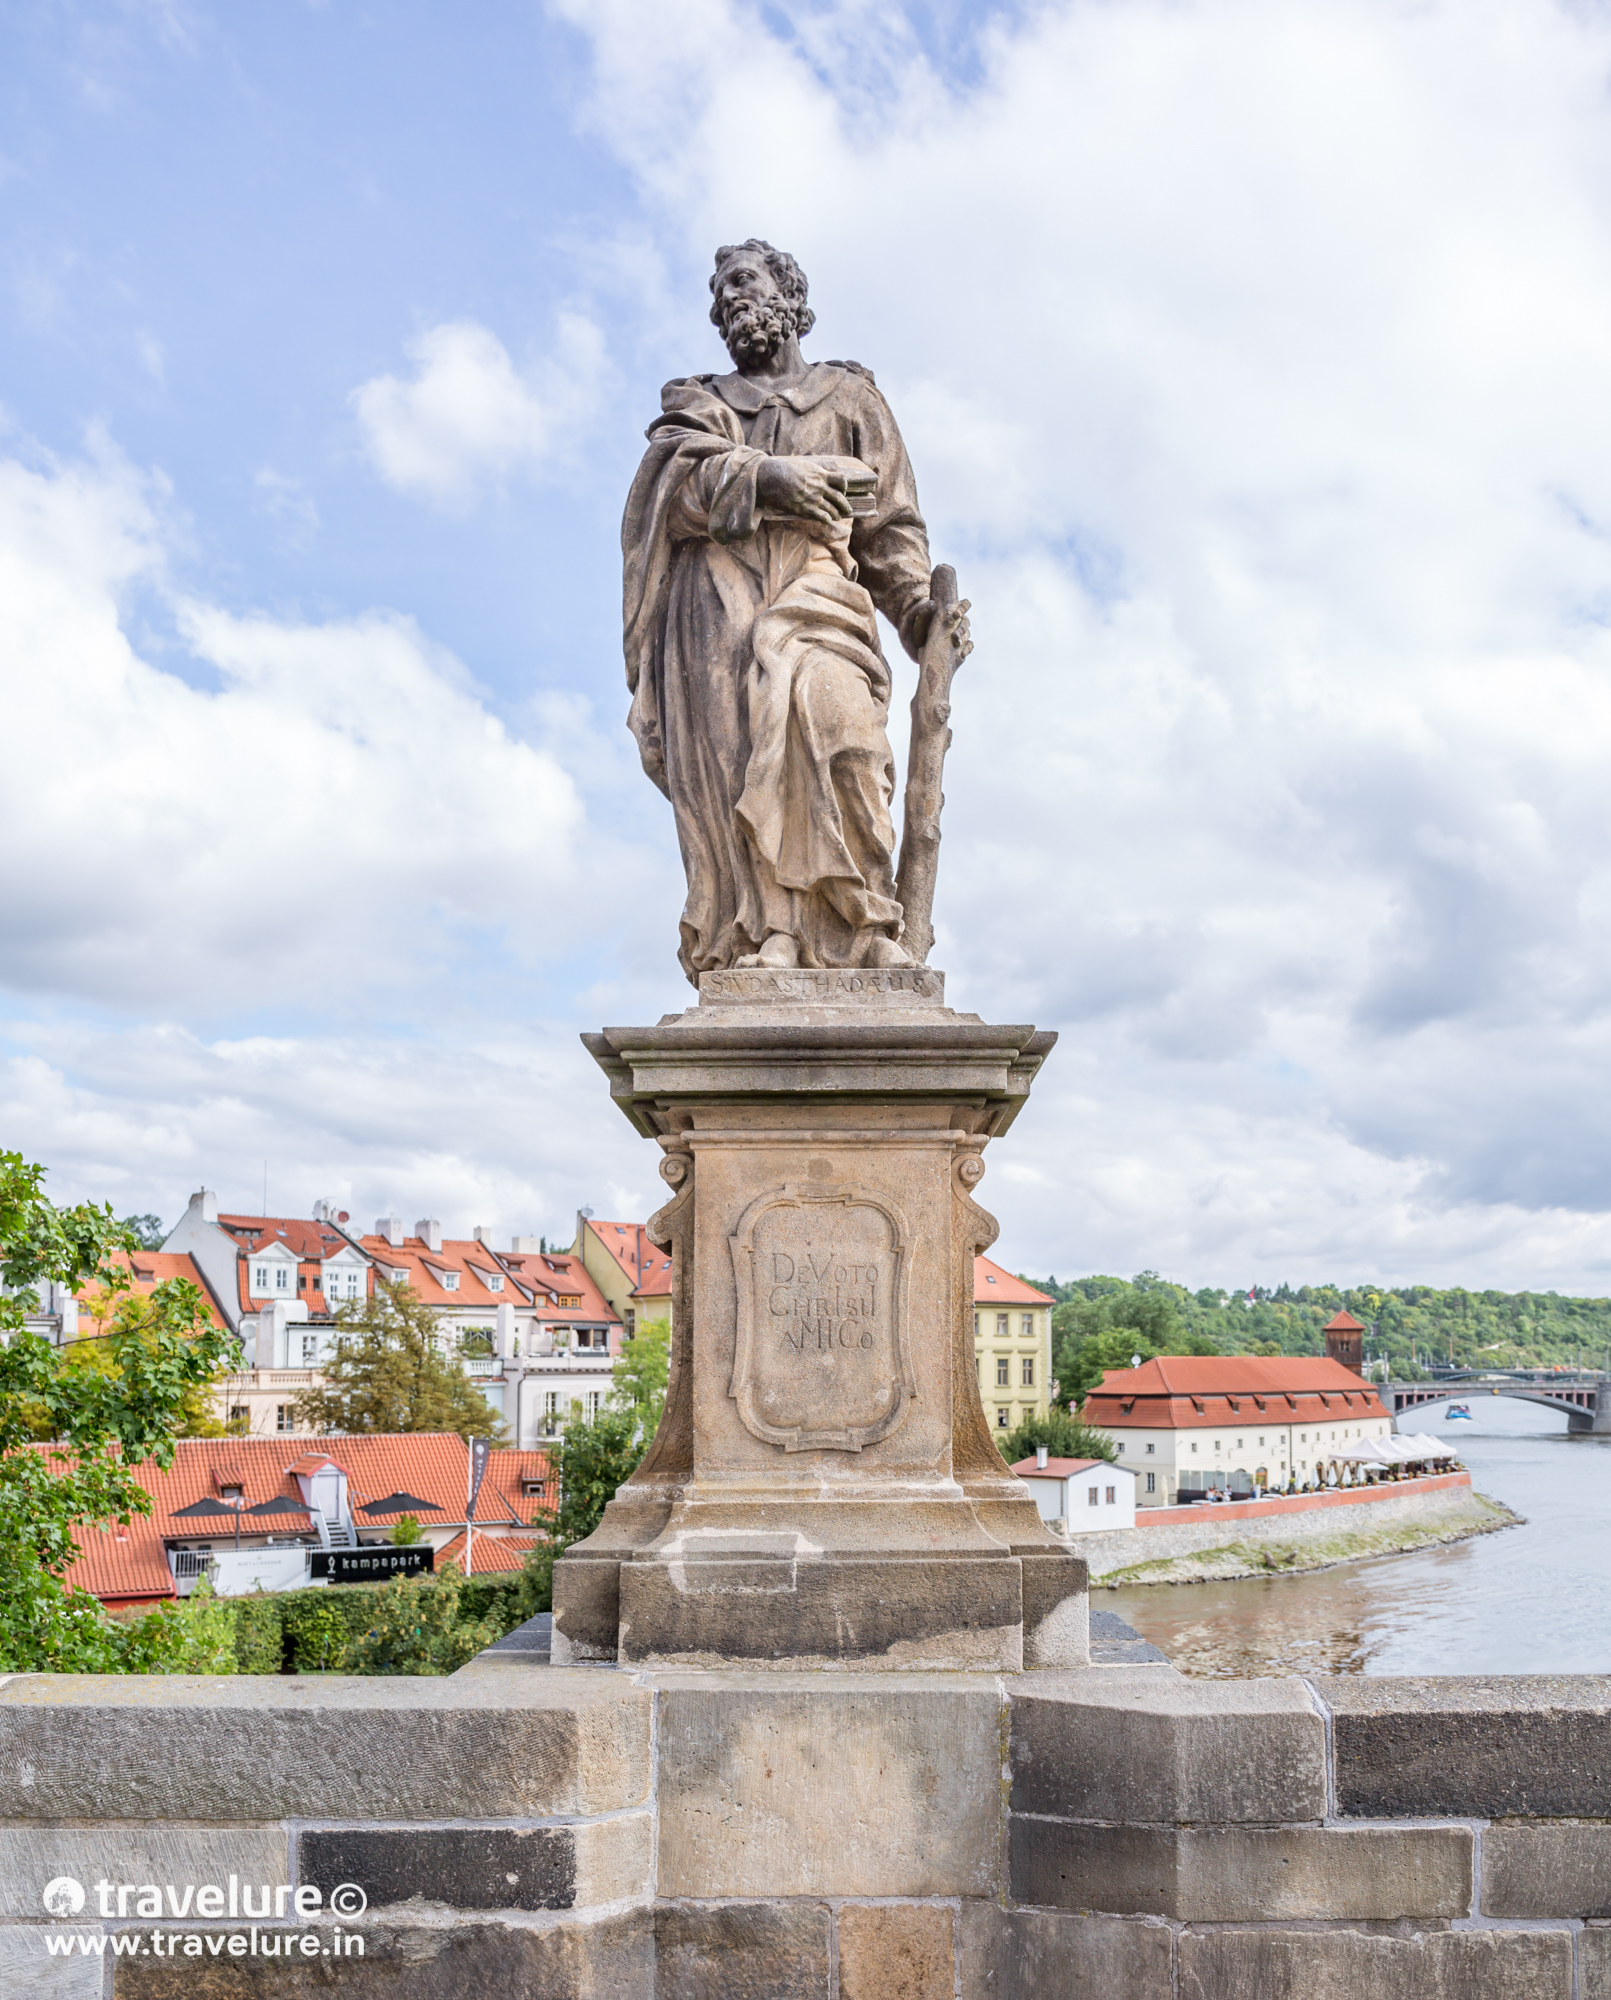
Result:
1459,1413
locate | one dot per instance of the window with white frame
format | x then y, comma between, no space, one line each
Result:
1003,1418
282,1277
1028,1372
1003,1371
284,1417
1152,1482
492,1280
310,1350
260,1278
1029,1326
1003,1321
450,1280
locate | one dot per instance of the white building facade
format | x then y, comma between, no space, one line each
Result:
1188,1425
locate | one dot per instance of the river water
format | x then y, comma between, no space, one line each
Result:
1528,1600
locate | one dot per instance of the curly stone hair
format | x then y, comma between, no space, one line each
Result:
786,274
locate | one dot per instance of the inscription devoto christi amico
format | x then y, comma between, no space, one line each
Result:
821,1361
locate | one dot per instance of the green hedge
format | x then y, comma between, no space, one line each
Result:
314,1631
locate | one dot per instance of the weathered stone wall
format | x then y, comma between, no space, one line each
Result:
1446,1504
534,1833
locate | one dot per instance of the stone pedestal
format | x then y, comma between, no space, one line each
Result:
823,1490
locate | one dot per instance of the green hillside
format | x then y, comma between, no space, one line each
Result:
1100,1322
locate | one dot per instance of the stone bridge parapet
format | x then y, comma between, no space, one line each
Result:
525,1832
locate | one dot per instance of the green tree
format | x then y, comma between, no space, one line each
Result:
1063,1436
103,1422
175,1306
407,1531
1093,1333
642,1370
590,1461
387,1374
145,1231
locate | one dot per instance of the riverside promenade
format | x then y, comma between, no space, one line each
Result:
1291,1530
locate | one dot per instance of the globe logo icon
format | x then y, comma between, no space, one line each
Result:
63,1897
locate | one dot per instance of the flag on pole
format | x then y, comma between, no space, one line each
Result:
480,1452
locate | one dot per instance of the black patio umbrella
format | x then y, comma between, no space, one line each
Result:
210,1506
279,1505
400,1503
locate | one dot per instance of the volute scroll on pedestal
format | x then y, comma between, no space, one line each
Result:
822,1359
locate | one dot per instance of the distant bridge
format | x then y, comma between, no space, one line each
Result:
1584,1399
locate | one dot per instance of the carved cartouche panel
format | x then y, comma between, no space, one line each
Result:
821,1362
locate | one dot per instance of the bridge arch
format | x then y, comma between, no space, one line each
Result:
1584,1400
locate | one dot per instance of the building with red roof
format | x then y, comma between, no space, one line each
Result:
632,1273
1232,1423
1080,1495
1012,1345
529,1326
323,1491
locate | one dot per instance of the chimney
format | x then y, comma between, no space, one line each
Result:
321,1211
506,1331
482,1235
391,1227
525,1246
204,1205
430,1234
1040,1457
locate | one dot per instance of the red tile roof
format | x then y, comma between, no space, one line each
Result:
554,1275
992,1286
1054,1468
628,1243
1342,1323
493,1555
150,1268
1192,1391
433,1465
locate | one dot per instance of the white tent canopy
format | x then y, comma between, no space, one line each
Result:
1394,1450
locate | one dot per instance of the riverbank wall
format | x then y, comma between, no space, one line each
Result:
1290,1531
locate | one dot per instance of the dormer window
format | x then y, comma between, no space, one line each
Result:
492,1280
260,1278
282,1277
450,1280
229,1493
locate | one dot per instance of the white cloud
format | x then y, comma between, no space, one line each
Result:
338,818
510,1130
468,416
1254,362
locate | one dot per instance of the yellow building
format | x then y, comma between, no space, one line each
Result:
1012,1345
633,1275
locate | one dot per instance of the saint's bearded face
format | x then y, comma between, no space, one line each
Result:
755,328
751,313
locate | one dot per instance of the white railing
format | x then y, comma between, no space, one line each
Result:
188,1564
482,1364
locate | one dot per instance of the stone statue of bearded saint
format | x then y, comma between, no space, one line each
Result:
774,511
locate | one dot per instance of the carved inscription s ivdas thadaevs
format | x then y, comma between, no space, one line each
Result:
821,1276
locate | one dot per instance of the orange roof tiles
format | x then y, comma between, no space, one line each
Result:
493,1555
628,1243
1054,1468
992,1286
147,1270
434,1465
1342,1322
1194,1391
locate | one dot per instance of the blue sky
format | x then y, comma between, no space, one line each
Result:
1255,365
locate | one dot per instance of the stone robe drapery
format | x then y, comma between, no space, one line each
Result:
760,693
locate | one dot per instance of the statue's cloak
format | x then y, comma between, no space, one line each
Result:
760,692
